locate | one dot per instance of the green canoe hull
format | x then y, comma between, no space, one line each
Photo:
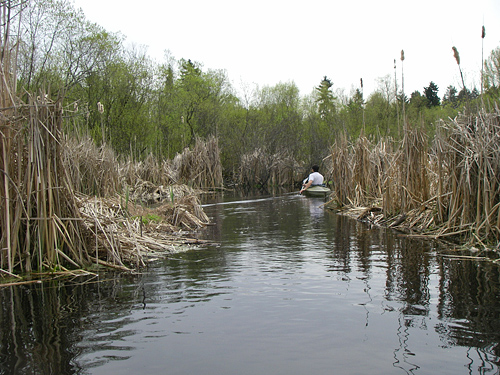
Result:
317,191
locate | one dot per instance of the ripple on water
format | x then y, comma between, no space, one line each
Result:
292,289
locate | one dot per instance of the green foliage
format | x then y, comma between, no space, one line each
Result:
450,97
417,105
431,93
151,218
491,75
381,116
162,108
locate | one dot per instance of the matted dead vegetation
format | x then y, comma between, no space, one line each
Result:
448,190
71,204
66,203
134,236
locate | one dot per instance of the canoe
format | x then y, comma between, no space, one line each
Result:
317,191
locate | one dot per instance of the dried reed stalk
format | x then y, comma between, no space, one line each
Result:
262,169
449,189
46,220
342,170
200,167
37,229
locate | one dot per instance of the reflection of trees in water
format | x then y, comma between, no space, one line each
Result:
49,328
341,254
469,292
43,324
403,354
408,262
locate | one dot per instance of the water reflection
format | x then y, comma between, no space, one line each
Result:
291,289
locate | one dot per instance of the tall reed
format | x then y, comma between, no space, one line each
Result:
40,226
263,169
200,167
451,188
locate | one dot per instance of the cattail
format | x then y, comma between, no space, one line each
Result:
456,55
361,82
403,85
483,34
396,94
457,58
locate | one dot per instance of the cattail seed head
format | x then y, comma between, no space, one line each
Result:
483,33
402,55
456,55
361,81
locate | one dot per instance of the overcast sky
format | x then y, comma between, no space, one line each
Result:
269,41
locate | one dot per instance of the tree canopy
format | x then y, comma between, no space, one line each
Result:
119,96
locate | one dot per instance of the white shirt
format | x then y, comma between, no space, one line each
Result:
316,178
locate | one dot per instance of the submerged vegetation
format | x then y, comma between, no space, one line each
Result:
93,133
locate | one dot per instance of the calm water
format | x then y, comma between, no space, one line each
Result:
292,289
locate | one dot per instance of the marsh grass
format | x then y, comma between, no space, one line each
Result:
201,166
69,204
263,169
66,203
449,187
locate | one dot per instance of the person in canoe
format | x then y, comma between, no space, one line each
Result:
314,179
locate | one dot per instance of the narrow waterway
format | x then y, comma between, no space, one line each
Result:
290,288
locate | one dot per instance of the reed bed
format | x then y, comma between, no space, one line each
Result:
471,175
69,204
361,172
201,166
40,221
92,170
448,189
261,169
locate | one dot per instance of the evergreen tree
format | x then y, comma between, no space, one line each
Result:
450,97
431,93
355,109
325,98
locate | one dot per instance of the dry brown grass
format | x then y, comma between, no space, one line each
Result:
59,197
200,167
61,204
261,169
40,226
451,189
